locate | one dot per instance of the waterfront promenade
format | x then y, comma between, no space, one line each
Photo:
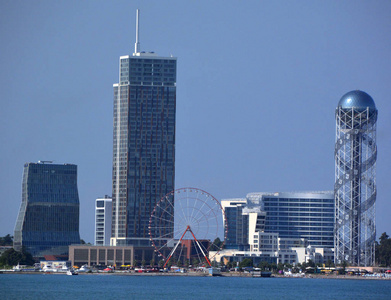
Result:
205,274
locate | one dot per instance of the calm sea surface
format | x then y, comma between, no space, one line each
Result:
184,287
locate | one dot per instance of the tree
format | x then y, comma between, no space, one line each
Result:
264,265
329,263
136,263
217,243
6,240
195,262
273,266
383,238
383,250
179,263
230,265
27,258
343,265
280,266
247,262
169,264
311,263
11,258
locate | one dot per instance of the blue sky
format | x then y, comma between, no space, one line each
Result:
257,87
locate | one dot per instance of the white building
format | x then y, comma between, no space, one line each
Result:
265,246
103,216
317,255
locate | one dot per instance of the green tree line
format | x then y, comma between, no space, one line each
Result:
6,240
383,251
11,257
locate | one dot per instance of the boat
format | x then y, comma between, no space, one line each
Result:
84,269
110,270
72,272
49,269
17,268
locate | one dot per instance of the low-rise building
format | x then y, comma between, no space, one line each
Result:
264,246
112,255
317,255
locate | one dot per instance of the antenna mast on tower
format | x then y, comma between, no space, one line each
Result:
137,44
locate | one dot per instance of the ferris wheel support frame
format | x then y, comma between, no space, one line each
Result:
176,246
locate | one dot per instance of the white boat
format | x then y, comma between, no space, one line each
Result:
64,269
49,269
17,268
84,269
71,272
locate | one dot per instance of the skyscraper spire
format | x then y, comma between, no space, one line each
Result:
137,44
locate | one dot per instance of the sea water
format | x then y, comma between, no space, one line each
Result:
41,286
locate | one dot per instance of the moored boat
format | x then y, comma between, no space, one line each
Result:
72,272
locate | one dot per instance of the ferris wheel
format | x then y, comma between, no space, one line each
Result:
186,224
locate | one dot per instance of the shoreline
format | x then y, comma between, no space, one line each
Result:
199,274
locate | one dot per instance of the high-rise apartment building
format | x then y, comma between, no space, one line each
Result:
103,214
48,220
143,142
355,179
237,236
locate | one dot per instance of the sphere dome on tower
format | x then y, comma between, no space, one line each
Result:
356,99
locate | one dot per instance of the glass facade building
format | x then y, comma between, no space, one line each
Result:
307,215
48,220
143,143
303,215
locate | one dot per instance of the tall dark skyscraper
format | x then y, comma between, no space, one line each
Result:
355,179
48,220
143,141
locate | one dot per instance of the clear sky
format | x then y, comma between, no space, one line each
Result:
257,87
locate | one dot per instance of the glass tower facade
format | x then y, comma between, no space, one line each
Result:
48,220
143,143
302,215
